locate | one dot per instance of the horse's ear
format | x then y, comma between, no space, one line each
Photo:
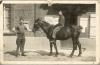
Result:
37,20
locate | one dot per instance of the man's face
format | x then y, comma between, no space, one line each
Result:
60,12
21,21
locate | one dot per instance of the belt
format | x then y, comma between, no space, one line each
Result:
19,33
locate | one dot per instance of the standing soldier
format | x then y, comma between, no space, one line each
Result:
20,41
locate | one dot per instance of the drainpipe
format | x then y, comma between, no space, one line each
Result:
34,12
78,20
89,26
34,18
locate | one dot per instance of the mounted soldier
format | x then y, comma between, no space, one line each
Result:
61,23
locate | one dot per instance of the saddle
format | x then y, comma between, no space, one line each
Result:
54,29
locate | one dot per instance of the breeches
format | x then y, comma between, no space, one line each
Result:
20,45
20,42
55,31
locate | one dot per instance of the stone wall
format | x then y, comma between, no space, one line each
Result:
25,11
31,12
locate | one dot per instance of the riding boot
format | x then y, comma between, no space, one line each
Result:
22,51
23,54
16,54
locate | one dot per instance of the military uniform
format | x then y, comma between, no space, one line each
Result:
61,20
60,24
20,41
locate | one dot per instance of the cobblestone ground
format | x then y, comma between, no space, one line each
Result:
41,55
36,53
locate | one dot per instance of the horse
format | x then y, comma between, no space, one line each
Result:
66,32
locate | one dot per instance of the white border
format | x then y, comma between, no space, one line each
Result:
1,33
59,1
44,2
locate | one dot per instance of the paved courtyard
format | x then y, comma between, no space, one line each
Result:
37,49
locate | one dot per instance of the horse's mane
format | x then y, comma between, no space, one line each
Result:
46,24
48,27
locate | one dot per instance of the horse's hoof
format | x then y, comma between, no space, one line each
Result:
56,55
16,55
50,54
23,55
79,55
70,56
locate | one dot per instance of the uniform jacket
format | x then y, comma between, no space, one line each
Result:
20,30
61,20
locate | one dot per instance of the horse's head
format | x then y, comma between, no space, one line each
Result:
40,23
36,24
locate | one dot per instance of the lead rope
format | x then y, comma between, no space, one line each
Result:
50,2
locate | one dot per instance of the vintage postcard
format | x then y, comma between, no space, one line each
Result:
49,31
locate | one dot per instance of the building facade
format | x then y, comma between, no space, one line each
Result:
30,12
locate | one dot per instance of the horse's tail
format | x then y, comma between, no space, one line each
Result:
77,28
80,28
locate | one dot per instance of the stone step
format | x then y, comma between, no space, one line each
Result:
42,43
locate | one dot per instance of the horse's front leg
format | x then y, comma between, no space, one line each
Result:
55,46
50,48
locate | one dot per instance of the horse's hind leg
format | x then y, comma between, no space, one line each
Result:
55,46
51,48
74,46
79,45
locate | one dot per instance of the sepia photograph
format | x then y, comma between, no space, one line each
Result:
50,32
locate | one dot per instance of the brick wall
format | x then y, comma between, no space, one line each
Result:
25,11
33,11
